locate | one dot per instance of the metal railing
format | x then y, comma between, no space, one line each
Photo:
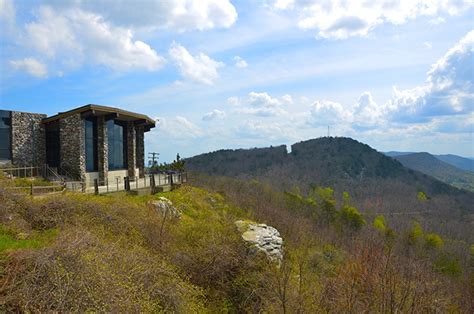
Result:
35,190
152,182
22,172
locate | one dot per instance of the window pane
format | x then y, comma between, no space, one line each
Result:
5,134
117,144
91,144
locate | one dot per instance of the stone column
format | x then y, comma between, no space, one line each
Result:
131,149
72,146
102,149
140,150
27,139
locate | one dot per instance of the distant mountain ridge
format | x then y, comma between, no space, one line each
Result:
433,166
329,161
462,163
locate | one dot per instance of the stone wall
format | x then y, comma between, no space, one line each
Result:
140,150
28,139
102,149
131,149
72,146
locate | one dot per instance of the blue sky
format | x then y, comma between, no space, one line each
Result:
397,75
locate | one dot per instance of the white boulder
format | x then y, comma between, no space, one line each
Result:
165,208
264,238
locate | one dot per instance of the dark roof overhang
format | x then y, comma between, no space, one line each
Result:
92,110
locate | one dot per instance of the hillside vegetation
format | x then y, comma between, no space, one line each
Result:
378,184
75,252
438,169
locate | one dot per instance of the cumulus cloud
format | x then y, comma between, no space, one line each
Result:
30,66
341,19
178,128
74,37
240,63
366,112
178,15
326,112
261,104
443,103
449,88
200,68
213,115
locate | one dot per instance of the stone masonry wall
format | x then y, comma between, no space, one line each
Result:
28,139
131,149
102,149
72,146
140,134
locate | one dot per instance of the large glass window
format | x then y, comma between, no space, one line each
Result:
5,134
117,139
52,144
91,144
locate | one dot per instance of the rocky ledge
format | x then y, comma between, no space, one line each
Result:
264,238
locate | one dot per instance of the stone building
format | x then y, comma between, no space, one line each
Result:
86,143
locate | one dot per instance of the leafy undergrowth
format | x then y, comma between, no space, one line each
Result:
76,252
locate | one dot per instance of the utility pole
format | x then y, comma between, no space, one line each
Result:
153,157
328,130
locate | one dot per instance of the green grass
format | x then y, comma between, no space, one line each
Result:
9,241
26,182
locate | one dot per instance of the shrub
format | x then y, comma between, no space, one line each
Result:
433,241
351,217
415,233
448,265
379,223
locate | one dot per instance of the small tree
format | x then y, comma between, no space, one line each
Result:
351,217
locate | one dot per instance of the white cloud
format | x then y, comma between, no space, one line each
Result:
200,68
213,115
449,89
240,63
326,112
261,104
233,101
30,66
366,113
428,44
7,11
341,19
178,128
177,15
75,37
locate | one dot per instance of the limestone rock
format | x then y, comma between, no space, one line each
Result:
165,208
264,238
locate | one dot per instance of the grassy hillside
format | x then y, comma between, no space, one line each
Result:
438,169
75,252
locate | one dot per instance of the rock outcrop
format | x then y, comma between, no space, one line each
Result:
264,238
165,208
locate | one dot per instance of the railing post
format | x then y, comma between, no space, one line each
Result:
96,186
107,184
152,183
125,183
31,189
117,179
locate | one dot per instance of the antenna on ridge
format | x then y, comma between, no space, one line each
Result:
328,130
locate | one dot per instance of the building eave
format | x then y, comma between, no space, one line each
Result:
98,110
